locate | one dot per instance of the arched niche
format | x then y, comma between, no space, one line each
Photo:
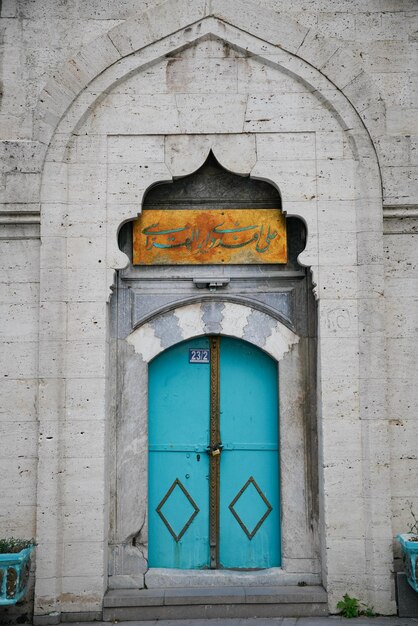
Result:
270,306
77,266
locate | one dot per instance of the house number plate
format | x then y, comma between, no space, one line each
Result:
199,355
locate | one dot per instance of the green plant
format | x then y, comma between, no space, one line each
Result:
351,607
13,545
413,527
368,612
348,606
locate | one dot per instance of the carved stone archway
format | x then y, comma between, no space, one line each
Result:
74,368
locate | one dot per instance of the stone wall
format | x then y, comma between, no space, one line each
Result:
19,306
381,37
401,283
305,104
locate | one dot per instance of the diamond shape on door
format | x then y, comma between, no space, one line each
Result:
250,502
177,502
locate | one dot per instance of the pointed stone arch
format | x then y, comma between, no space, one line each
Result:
66,102
340,66
72,94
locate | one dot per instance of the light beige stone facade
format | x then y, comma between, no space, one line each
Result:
103,99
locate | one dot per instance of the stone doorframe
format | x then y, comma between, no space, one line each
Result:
73,373
299,520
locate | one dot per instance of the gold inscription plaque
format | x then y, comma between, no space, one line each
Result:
216,236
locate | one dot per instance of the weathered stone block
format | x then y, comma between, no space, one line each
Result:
337,216
19,520
18,400
294,112
20,441
74,562
86,358
341,398
331,363
373,403
19,359
317,48
337,248
86,320
201,76
400,401
128,182
21,187
210,114
338,318
19,322
134,149
245,15
127,560
336,24
21,156
400,184
19,480
286,146
254,76
372,354
342,67
337,281
296,181
402,120
82,593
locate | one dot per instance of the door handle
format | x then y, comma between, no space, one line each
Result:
214,450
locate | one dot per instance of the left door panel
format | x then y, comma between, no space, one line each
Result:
178,469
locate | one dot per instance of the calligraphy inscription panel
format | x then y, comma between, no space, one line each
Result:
212,236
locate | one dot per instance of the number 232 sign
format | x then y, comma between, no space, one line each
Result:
199,355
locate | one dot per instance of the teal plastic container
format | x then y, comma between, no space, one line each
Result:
410,558
14,575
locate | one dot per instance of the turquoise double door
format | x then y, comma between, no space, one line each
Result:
213,457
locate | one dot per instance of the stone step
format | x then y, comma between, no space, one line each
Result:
214,602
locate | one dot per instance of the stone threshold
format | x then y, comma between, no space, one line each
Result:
214,602
164,578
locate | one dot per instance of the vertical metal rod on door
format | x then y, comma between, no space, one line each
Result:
215,456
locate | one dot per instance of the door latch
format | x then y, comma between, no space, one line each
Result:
214,450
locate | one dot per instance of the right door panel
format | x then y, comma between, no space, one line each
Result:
249,485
